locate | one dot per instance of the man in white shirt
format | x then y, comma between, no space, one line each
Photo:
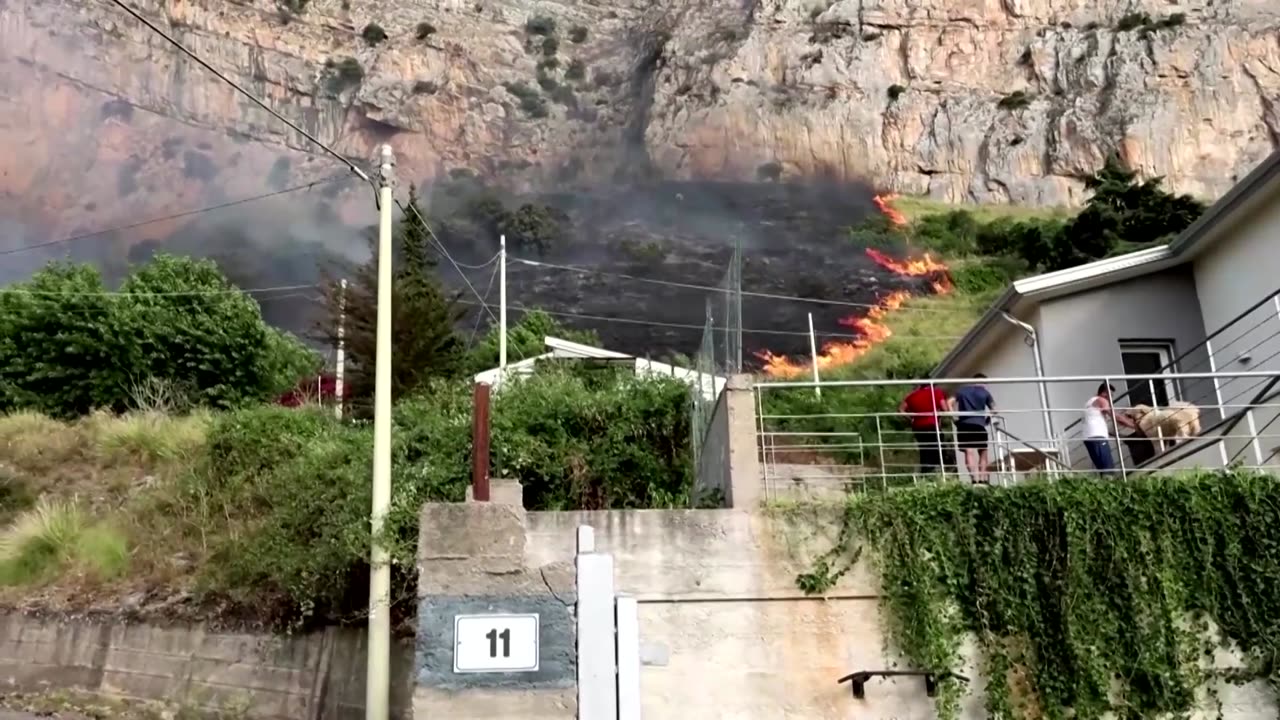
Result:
1098,428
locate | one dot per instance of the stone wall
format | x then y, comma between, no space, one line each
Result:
318,676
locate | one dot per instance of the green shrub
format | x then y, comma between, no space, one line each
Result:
1016,100
895,91
344,74
425,87
550,46
577,70
532,103
985,276
578,34
769,171
540,25
283,497
373,34
548,63
425,30
1133,21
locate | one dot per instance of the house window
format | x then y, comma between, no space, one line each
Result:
1149,358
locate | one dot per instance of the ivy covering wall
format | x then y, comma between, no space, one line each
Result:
1085,597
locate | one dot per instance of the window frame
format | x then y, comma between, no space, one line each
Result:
1166,351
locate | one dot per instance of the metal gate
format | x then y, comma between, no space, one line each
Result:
608,639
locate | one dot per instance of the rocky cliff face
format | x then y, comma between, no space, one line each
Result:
986,100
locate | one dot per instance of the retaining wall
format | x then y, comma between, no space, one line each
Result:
318,676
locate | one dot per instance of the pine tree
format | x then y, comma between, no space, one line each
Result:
424,343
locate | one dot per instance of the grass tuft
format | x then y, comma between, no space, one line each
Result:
55,537
150,438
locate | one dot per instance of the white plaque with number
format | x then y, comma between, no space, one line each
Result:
495,643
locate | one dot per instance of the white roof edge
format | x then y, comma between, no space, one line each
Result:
1088,274
573,349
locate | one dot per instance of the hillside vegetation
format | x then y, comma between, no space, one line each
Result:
985,249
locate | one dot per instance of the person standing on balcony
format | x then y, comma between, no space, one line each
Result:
921,407
972,402
1098,428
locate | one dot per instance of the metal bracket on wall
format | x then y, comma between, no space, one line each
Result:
858,680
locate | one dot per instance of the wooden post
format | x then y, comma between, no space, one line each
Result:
480,443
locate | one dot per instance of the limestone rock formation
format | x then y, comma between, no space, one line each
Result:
965,100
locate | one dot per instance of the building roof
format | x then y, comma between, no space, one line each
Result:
709,385
1030,291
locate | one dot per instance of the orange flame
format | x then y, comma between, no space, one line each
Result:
883,202
910,268
871,329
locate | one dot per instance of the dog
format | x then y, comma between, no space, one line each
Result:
1179,421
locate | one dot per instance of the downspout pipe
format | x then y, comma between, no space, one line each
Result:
1035,353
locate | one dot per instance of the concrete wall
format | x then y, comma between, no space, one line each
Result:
724,631
1233,274
318,676
729,462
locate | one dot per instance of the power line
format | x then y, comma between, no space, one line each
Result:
152,26
174,216
444,252
686,326
708,288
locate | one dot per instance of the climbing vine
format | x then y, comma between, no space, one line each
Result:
1084,597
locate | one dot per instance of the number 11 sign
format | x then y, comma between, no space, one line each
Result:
495,643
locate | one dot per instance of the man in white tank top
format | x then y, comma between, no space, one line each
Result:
1098,429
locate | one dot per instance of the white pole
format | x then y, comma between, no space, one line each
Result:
342,348
378,680
813,354
502,302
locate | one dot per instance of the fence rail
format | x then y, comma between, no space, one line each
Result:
854,437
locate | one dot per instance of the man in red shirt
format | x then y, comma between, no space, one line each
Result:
921,407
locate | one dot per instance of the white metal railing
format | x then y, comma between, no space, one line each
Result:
853,437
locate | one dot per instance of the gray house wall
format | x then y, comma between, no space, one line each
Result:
1018,404
1235,272
1080,335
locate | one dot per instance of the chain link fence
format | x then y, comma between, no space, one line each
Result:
720,350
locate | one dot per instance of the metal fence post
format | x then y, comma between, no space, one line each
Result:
597,645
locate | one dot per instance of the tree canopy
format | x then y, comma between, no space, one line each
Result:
424,341
68,345
1121,216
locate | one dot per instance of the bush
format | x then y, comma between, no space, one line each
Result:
578,34
1016,100
373,34
285,494
531,102
540,25
344,74
1133,21
425,87
769,171
895,91
425,30
577,70
550,46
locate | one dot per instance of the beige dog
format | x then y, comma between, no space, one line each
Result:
1179,421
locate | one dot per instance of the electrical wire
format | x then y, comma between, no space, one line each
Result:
175,216
337,155
708,288
686,326
445,253
475,329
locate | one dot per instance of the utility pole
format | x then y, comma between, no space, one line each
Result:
502,305
342,348
378,679
813,356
